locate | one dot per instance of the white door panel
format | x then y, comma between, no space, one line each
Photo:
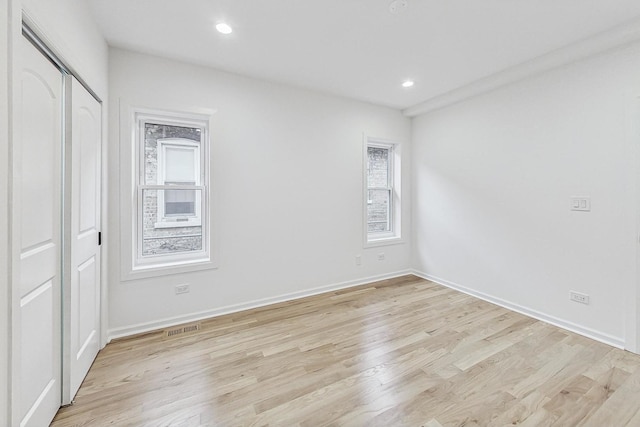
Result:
37,216
86,302
85,225
38,350
87,135
37,265
42,105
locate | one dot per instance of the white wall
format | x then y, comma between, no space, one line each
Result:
287,165
492,178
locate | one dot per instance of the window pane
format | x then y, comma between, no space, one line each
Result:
179,163
378,167
166,235
378,203
154,132
180,202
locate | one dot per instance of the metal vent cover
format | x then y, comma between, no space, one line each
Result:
182,330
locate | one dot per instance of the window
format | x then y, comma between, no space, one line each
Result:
382,195
171,190
178,165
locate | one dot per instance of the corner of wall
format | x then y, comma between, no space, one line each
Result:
618,342
476,234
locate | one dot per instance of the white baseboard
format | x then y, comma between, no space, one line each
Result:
177,320
564,324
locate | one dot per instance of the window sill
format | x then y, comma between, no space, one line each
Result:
383,241
167,268
177,224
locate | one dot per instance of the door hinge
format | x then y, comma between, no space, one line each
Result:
99,238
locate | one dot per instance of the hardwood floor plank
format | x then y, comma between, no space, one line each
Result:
399,352
617,409
523,410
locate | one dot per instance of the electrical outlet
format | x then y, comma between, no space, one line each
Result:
578,297
381,256
582,204
358,259
182,289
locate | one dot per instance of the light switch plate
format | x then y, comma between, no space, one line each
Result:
582,204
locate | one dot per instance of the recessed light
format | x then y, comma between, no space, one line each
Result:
408,83
398,6
224,28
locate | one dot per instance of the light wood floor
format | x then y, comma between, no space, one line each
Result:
403,352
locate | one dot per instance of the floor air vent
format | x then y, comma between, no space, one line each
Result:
182,330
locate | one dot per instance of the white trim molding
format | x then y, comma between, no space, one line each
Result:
235,308
611,340
602,42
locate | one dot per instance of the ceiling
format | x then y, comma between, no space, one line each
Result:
358,48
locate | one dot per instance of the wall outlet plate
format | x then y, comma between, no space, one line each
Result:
579,297
182,289
582,204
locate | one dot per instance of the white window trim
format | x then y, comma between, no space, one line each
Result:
395,184
199,175
130,195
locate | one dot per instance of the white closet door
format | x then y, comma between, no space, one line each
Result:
37,223
84,306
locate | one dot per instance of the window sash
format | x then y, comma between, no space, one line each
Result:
144,119
200,191
390,207
176,257
371,223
